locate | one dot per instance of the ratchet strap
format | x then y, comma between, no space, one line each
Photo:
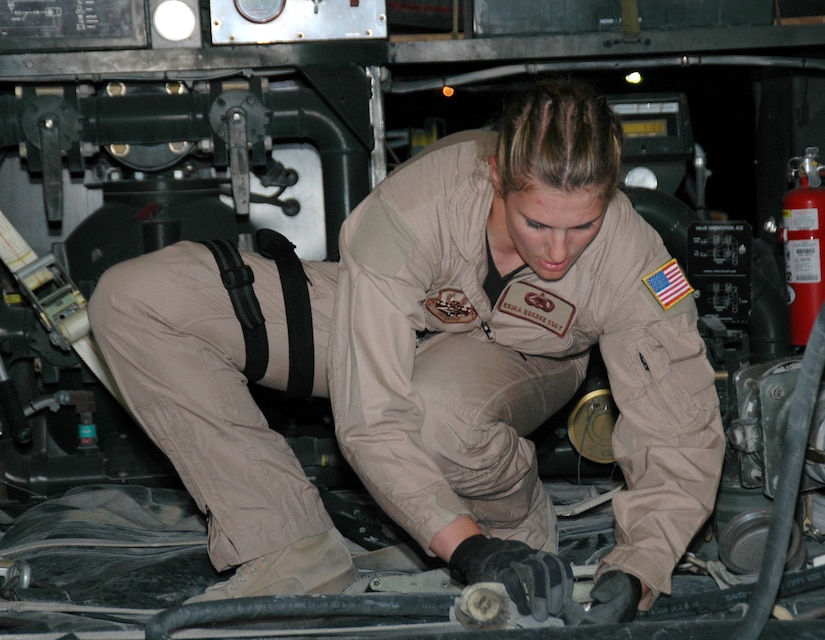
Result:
237,278
58,302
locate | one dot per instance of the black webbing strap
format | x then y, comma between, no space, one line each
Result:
276,246
237,277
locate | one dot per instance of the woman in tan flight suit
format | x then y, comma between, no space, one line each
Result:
473,283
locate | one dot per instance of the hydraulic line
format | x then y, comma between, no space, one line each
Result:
159,627
800,418
724,600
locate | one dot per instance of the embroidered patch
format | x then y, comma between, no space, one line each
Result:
451,306
538,306
668,284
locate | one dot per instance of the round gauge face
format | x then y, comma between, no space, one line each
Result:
174,20
641,177
260,10
590,426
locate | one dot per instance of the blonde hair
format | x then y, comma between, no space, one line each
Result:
562,134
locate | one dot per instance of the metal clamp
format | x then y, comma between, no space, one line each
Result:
15,573
58,301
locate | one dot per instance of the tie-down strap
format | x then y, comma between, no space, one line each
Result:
237,278
295,288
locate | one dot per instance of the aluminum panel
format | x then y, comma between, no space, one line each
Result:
298,20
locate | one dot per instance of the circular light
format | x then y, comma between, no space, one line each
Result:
641,177
447,91
174,20
634,77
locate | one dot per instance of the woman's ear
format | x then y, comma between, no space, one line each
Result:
495,179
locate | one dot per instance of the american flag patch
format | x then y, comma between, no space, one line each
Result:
668,284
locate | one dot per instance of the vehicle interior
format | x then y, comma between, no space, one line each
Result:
128,125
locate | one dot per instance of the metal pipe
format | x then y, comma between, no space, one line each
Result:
298,113
573,66
146,119
302,115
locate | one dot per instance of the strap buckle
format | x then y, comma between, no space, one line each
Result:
237,276
57,300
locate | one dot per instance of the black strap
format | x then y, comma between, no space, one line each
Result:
237,277
276,246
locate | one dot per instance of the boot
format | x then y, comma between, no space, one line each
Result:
313,565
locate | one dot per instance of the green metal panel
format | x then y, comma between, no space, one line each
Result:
577,16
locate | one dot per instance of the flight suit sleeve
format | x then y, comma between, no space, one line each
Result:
378,412
668,439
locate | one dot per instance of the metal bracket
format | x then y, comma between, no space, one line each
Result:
15,573
52,126
239,119
435,581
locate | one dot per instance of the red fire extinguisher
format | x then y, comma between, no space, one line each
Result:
803,216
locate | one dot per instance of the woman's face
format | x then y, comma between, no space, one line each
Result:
550,228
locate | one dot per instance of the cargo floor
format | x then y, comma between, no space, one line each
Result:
106,561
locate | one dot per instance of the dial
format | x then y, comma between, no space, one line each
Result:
260,11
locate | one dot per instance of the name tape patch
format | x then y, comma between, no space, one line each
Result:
528,302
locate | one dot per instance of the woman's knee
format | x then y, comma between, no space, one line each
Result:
134,291
468,448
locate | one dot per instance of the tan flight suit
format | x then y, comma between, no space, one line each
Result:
431,427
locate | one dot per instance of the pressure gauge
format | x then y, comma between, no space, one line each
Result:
260,11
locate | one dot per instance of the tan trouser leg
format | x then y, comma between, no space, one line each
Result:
167,329
481,398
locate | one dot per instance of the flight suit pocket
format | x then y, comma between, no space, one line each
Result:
675,375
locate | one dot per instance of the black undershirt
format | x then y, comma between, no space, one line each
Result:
494,283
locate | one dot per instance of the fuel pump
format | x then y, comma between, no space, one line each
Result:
803,208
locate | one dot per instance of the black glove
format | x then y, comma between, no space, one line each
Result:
616,597
540,584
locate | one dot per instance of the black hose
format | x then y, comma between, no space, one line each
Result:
681,630
160,626
723,601
800,418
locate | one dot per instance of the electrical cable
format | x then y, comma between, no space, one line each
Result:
800,418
